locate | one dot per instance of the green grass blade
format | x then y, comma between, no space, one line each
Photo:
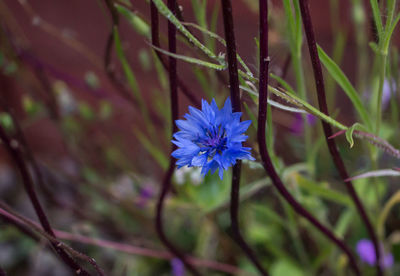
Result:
137,23
163,9
345,84
220,40
126,67
377,17
325,193
192,60
157,154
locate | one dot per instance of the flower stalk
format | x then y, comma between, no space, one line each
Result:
266,159
319,82
235,96
166,183
17,156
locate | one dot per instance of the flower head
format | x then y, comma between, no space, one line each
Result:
366,251
211,138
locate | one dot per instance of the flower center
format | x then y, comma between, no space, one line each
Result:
215,142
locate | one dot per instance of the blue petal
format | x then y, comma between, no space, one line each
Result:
208,112
221,173
199,116
199,160
188,126
214,106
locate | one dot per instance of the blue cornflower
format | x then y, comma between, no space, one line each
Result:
211,138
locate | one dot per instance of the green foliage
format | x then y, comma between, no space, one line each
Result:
345,84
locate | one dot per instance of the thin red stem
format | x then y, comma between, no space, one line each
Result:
235,97
319,82
166,184
12,147
156,42
266,160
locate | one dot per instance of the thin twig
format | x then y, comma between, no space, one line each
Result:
13,147
108,68
156,42
235,97
319,82
6,212
23,225
166,184
266,160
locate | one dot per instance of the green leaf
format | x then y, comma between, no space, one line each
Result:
126,67
350,130
345,84
86,111
30,106
395,199
145,59
377,17
246,192
325,193
222,41
374,47
344,222
284,267
157,154
92,80
211,193
192,60
163,9
105,110
273,103
389,33
138,24
293,99
6,121
282,82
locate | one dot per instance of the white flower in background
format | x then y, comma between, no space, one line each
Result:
192,174
65,99
195,176
387,92
122,187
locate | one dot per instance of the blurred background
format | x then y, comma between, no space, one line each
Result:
101,150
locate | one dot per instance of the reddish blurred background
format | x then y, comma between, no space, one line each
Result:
43,28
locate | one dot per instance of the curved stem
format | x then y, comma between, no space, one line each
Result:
115,81
319,81
166,184
26,225
156,42
13,149
266,160
235,97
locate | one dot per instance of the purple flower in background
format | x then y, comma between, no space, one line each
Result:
297,126
366,252
146,193
386,93
178,268
211,138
